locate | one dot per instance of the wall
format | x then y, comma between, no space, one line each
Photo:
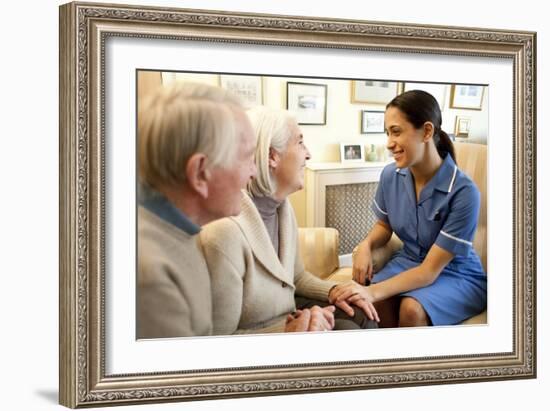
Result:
29,223
343,118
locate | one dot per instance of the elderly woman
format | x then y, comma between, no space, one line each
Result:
253,259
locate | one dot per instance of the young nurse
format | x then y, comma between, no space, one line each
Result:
437,277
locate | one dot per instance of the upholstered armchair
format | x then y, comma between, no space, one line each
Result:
319,245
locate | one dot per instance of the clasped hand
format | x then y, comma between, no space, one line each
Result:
311,319
351,293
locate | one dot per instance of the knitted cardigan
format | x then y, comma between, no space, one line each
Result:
252,288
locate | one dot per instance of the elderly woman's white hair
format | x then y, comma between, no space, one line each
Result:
272,128
180,120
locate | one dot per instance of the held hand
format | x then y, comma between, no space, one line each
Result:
322,319
299,322
351,293
344,291
311,319
366,306
343,305
362,264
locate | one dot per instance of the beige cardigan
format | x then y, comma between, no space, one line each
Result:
252,289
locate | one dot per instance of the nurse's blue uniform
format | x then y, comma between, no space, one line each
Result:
446,214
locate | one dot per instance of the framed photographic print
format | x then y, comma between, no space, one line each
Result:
352,152
308,102
462,126
436,90
373,91
372,122
102,46
248,88
466,96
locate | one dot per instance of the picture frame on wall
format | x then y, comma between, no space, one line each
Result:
467,96
462,126
373,91
372,122
308,102
101,361
248,88
352,152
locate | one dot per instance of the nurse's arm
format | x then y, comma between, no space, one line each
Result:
417,277
378,236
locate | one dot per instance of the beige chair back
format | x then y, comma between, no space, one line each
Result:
472,160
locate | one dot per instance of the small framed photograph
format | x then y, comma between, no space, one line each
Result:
308,102
248,88
436,90
372,121
466,96
462,126
352,152
374,92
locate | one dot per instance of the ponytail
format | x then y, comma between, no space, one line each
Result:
444,144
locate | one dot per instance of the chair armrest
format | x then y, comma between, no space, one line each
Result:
381,255
319,250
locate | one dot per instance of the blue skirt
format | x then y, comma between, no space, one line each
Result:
456,295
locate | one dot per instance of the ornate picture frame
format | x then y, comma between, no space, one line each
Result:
86,30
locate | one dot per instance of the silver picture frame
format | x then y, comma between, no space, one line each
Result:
84,31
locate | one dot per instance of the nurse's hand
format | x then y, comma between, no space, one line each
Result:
362,264
352,293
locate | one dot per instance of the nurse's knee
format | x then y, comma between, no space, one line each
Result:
412,314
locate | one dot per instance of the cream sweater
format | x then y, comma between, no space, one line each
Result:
173,285
252,289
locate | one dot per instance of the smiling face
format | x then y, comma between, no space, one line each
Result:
287,167
406,143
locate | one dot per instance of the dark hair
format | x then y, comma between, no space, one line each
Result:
419,107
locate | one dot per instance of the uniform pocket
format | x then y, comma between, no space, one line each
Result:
429,227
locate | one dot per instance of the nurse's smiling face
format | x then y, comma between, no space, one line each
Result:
406,142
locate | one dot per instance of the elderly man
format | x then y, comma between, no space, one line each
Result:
196,152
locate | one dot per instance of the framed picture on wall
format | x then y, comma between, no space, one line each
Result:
467,96
308,102
435,89
248,88
373,91
352,152
462,126
372,122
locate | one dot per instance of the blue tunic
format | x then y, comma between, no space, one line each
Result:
446,214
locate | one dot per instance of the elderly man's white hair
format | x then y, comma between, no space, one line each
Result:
180,120
272,128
